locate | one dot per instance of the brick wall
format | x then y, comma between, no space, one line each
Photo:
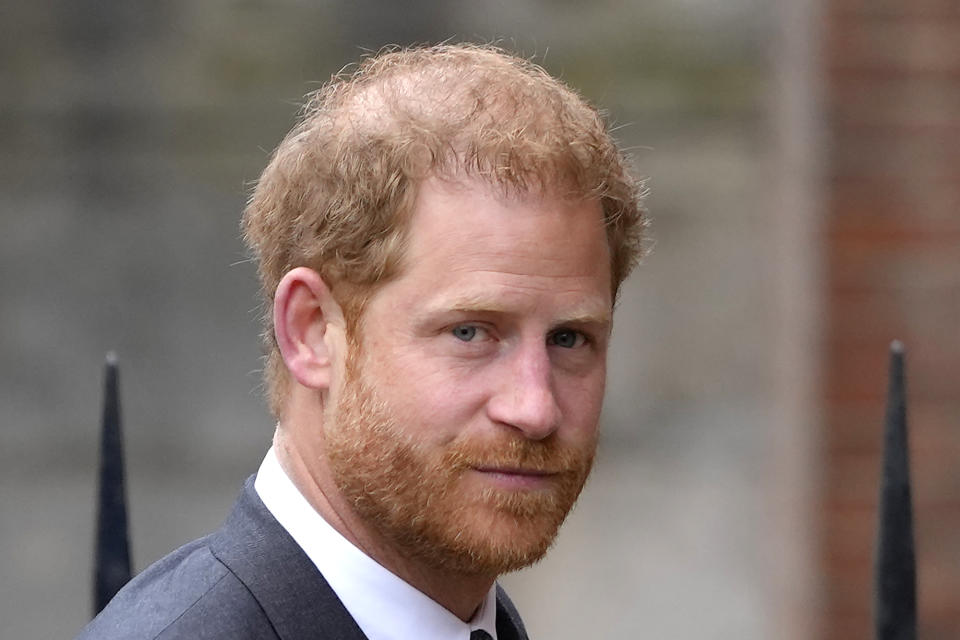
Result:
892,107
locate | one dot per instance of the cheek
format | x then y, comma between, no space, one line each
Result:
581,400
436,400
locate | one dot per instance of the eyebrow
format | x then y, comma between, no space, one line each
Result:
586,313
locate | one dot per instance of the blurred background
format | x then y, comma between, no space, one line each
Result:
805,195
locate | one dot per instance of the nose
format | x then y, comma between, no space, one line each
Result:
525,398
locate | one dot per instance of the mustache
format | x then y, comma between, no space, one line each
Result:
518,454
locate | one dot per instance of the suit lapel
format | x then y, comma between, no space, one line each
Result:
294,595
509,624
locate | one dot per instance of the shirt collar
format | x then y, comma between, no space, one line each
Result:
383,605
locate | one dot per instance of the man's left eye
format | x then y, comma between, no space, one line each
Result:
567,338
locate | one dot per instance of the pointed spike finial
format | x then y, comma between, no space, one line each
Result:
895,569
112,560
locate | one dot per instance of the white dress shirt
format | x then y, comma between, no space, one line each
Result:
384,606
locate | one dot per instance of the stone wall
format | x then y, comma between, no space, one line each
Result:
130,134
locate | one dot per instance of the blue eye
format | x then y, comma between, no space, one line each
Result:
465,332
567,338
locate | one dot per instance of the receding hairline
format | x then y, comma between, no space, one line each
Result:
441,94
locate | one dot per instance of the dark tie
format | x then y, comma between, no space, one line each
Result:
480,634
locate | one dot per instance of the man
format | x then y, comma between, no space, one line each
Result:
440,242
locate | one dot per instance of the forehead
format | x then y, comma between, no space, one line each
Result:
469,239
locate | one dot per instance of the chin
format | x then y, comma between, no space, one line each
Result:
492,552
500,533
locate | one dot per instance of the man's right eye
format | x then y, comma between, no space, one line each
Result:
465,332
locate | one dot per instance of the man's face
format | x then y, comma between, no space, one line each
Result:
467,422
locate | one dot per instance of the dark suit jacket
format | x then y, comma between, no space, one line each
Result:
248,580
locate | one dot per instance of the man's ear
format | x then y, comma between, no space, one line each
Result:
307,322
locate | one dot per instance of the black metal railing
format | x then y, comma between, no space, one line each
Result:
895,576
111,566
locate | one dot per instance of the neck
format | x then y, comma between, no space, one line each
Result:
461,594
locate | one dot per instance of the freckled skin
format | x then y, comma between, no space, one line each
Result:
458,430
542,261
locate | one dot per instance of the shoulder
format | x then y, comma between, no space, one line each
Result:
249,580
187,594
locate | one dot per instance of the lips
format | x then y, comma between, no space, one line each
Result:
515,479
514,471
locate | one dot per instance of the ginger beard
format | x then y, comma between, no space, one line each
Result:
414,494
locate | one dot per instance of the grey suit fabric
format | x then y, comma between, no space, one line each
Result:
248,580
